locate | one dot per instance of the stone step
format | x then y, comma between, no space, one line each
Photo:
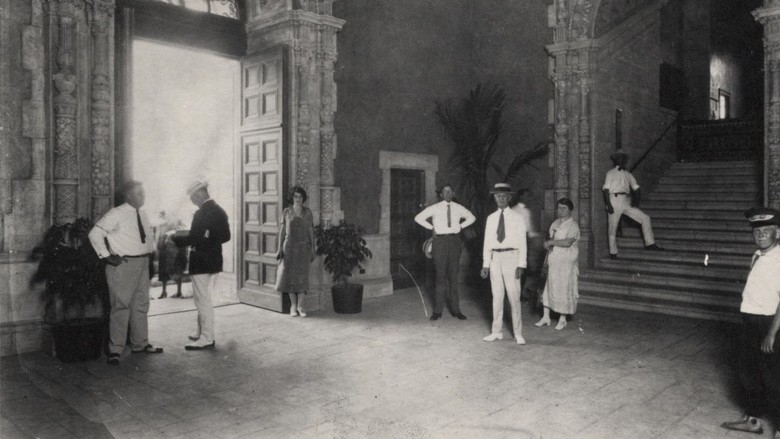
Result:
710,179
715,165
679,269
725,314
703,196
687,257
716,215
741,225
683,295
744,236
699,205
621,277
748,187
709,247
675,171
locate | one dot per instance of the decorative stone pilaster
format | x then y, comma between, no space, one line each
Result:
561,138
101,14
585,176
65,105
769,17
308,28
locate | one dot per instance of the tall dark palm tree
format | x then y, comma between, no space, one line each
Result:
474,124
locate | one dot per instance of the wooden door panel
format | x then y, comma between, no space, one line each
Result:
406,237
262,168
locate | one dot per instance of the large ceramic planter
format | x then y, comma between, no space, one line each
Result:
347,298
79,340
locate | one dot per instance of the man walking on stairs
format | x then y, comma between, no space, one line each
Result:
759,355
622,197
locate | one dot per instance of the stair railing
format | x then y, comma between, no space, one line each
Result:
675,123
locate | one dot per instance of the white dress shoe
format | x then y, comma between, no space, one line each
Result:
293,313
494,337
543,322
301,313
520,339
200,345
561,324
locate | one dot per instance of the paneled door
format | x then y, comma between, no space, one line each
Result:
263,154
406,237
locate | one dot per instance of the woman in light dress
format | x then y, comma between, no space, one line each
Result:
560,292
296,250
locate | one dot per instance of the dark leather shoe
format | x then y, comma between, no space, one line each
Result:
435,316
613,255
460,316
654,247
113,359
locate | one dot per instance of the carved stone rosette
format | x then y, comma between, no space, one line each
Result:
102,12
769,17
65,104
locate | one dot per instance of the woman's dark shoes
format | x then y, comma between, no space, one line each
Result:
435,316
113,359
613,255
148,349
163,295
459,315
177,295
654,247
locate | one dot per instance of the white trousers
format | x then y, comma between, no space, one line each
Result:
502,282
622,206
128,289
201,290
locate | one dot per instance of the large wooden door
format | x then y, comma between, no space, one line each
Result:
262,176
406,237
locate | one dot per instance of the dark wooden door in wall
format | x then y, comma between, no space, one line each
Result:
262,176
406,237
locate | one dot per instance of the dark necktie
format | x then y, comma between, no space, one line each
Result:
140,226
449,217
501,233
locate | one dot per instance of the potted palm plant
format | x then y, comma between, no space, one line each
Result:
75,295
344,249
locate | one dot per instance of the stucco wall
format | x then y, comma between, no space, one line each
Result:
628,79
396,58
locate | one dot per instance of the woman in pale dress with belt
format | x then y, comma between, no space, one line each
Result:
296,250
561,293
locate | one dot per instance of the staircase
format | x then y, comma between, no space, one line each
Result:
697,214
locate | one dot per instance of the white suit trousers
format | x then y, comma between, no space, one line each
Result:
622,206
502,282
201,290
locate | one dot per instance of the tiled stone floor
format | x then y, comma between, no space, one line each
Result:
389,372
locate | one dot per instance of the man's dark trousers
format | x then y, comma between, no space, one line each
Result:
446,257
759,373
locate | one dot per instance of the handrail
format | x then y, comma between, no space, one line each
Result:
647,151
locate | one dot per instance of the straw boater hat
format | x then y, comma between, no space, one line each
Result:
502,188
428,248
762,216
198,183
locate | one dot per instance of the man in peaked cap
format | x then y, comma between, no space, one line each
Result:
210,229
504,257
759,355
621,197
447,219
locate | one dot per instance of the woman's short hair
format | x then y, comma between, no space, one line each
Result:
566,202
296,190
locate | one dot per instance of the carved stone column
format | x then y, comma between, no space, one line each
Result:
561,137
65,121
310,30
102,12
769,17
585,172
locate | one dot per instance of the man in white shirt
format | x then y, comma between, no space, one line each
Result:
759,360
123,238
621,197
447,219
504,259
